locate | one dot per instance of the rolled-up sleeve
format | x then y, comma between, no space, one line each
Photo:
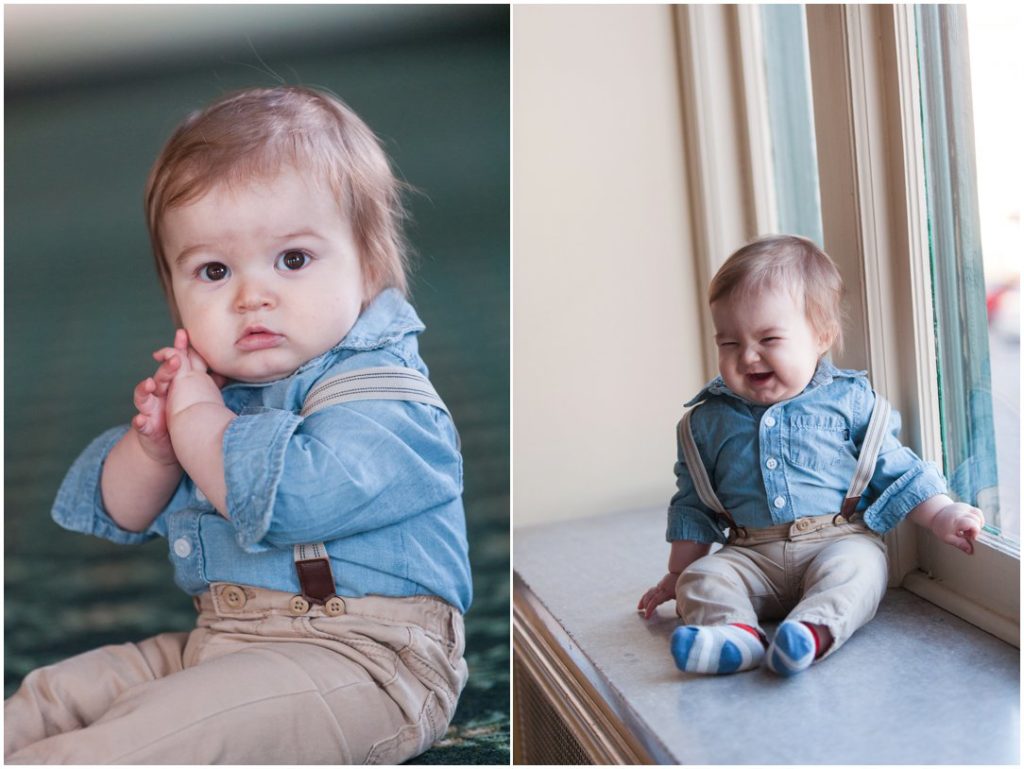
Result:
79,502
901,480
347,469
688,517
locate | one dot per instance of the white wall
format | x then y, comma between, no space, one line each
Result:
606,329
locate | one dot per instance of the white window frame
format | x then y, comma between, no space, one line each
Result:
863,61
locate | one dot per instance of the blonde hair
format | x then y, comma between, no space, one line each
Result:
793,263
249,135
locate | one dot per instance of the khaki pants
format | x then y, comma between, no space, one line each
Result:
809,571
252,684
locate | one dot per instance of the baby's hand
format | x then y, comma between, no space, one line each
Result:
665,590
193,382
958,524
150,399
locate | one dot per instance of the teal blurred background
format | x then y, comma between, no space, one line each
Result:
92,92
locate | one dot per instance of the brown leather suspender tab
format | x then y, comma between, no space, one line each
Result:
314,570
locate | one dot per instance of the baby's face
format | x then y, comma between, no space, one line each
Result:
767,350
265,276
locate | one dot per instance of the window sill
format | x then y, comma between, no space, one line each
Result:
894,694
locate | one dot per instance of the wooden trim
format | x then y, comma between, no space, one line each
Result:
717,145
601,721
867,119
759,134
940,593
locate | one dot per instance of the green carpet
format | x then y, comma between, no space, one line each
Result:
83,311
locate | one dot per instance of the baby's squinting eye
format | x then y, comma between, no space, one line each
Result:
292,260
727,344
212,272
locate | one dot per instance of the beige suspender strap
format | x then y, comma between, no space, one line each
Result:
878,426
381,383
699,475
701,482
312,564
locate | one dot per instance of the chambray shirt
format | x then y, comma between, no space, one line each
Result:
378,481
771,465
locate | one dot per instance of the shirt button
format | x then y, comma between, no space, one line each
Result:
200,495
780,502
772,463
182,548
769,421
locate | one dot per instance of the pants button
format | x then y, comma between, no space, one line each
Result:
334,606
298,605
234,597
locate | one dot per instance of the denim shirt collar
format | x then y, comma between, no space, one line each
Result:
387,319
824,374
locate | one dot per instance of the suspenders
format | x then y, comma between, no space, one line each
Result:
865,466
312,565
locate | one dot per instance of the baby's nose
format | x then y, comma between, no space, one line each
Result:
253,296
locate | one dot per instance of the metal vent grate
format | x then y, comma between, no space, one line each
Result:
541,736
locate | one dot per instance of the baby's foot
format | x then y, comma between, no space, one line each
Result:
793,649
719,649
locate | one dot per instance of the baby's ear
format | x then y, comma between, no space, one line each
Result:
825,341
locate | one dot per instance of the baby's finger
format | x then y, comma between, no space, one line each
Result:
196,361
165,354
960,542
141,423
165,373
143,391
652,605
181,339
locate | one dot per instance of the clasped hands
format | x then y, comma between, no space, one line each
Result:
182,380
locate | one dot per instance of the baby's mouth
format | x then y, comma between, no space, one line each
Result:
759,378
258,338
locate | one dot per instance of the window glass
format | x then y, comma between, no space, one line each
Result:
973,176
791,120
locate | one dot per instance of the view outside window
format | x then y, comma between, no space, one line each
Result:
791,121
994,35
973,172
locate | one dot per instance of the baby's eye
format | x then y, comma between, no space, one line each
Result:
212,272
770,339
727,344
292,260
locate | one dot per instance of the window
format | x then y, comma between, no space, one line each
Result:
793,155
958,273
899,185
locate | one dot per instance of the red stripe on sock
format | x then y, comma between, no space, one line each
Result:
820,647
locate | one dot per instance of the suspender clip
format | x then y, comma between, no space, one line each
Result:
313,568
848,512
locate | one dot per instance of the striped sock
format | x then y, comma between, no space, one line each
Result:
793,649
719,649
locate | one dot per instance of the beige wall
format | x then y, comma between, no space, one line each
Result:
606,330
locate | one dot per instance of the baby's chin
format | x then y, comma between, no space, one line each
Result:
257,374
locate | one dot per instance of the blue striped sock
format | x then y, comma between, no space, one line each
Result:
793,649
719,649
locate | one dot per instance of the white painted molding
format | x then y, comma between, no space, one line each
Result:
711,79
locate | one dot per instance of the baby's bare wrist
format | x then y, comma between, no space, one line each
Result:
160,453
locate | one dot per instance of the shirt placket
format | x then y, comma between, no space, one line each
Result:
773,469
